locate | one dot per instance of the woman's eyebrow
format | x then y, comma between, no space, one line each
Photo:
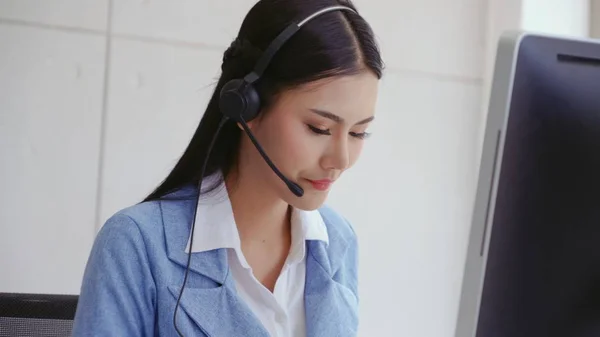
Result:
328,115
338,119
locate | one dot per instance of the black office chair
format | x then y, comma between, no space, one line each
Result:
36,315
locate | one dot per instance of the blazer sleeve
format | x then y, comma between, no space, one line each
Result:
118,293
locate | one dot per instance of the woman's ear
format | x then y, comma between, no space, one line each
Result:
251,124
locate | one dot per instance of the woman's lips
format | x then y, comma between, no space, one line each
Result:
321,185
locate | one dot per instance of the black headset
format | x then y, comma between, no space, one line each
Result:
240,102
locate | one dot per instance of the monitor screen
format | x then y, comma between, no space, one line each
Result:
542,272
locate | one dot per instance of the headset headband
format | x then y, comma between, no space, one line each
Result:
278,42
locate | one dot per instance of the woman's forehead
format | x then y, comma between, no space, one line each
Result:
348,95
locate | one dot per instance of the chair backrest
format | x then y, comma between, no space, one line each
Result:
36,315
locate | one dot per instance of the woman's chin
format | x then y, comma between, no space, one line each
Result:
310,201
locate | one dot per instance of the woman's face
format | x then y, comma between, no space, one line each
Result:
312,134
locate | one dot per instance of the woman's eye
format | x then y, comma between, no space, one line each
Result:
360,135
319,131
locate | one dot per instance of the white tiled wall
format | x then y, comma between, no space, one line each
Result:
431,36
540,16
155,99
50,109
77,144
212,23
85,14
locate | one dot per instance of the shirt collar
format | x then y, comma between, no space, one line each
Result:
216,228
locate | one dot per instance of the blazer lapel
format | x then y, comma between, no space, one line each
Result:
210,298
218,312
331,308
177,221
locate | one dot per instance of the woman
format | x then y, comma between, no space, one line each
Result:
267,258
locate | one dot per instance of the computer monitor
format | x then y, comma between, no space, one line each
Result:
533,261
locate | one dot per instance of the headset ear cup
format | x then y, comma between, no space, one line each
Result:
252,103
231,101
238,99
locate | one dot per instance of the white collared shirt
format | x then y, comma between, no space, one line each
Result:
282,311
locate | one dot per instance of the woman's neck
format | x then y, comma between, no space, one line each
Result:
259,216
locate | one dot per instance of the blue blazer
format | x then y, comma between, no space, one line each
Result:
136,268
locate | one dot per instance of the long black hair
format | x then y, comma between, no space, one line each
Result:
335,44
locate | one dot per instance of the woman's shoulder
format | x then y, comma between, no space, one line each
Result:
148,218
129,228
